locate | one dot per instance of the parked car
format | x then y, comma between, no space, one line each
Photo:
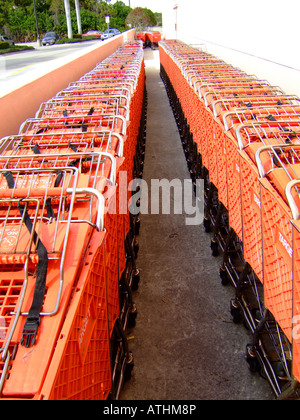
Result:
109,33
50,38
96,34
4,38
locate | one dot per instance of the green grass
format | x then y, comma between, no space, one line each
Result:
15,48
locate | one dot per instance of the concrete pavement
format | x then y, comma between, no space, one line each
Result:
185,345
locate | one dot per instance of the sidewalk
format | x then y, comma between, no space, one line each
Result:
185,345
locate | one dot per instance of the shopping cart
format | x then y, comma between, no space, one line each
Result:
292,194
64,306
278,165
247,137
116,105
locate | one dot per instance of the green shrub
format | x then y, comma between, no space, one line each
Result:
69,41
4,45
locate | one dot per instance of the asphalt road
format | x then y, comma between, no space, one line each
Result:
24,59
18,68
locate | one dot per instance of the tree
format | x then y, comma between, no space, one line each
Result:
56,10
120,13
138,18
151,16
158,19
17,17
4,8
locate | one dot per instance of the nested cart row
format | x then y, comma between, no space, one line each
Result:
149,38
67,241
242,136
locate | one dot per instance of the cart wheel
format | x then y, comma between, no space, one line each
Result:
251,359
215,248
132,316
224,277
235,312
207,225
129,366
280,371
257,315
137,226
136,248
135,279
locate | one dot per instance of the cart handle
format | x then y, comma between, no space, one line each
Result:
263,124
113,171
119,137
101,203
273,148
292,203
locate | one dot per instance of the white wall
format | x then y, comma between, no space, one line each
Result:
261,37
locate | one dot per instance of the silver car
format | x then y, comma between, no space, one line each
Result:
4,38
50,38
109,33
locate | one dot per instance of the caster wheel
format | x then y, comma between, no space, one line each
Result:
137,227
257,316
129,367
224,277
246,325
136,248
132,316
135,280
214,248
251,359
280,371
235,312
207,225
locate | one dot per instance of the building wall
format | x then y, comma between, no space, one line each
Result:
259,36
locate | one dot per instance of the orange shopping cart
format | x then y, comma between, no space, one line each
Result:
66,301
